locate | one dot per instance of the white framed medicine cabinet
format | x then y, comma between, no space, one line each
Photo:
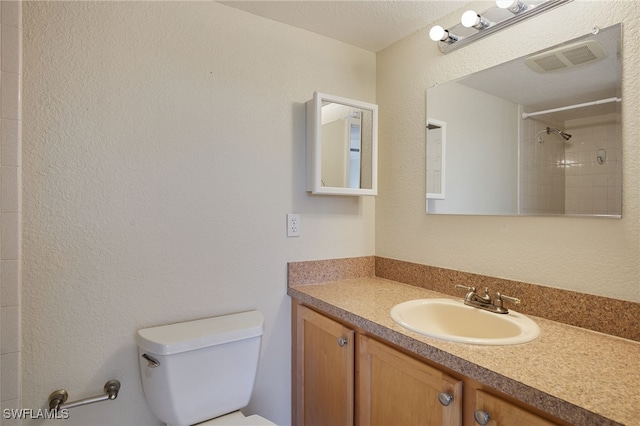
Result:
342,146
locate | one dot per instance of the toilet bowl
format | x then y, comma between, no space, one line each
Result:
203,371
237,419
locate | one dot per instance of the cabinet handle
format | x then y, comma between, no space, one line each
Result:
482,417
445,398
342,341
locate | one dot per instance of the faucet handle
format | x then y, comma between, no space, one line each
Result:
464,287
511,299
497,301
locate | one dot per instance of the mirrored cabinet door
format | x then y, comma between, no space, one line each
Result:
342,151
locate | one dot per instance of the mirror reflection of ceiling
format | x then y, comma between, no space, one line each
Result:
370,25
583,83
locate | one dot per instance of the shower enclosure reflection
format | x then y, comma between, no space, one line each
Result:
539,135
548,130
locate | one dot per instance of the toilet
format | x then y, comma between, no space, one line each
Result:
202,371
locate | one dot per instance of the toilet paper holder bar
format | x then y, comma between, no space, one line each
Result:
58,399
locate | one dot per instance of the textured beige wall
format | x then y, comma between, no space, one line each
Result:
163,147
597,256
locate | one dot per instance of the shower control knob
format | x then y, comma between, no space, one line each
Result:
482,417
342,341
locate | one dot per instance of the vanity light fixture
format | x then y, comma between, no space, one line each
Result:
474,26
437,33
513,6
472,19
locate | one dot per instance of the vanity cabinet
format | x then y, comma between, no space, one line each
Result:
392,388
395,389
323,374
345,377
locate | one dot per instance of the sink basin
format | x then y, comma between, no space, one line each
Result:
452,320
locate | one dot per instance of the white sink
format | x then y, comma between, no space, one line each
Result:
452,320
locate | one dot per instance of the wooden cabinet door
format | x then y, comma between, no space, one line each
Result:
395,389
324,383
504,413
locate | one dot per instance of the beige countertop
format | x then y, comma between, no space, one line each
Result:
581,376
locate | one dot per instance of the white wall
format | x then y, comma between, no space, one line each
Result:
598,256
490,157
163,147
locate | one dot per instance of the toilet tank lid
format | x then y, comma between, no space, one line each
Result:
191,335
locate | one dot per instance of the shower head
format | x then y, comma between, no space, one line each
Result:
566,136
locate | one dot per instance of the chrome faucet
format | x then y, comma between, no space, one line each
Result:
484,301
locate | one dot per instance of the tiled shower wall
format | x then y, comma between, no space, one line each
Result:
594,187
542,177
10,202
565,177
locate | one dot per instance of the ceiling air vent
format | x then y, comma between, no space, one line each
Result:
569,56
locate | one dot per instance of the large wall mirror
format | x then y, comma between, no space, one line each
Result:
342,138
539,135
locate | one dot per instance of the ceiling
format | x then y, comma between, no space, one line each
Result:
375,24
585,83
369,24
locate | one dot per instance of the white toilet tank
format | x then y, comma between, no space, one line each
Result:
205,368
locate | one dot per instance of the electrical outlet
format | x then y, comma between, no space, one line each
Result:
293,225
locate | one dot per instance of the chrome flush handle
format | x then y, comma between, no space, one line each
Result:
151,361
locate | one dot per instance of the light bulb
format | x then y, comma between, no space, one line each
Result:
514,6
471,19
437,33
505,4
